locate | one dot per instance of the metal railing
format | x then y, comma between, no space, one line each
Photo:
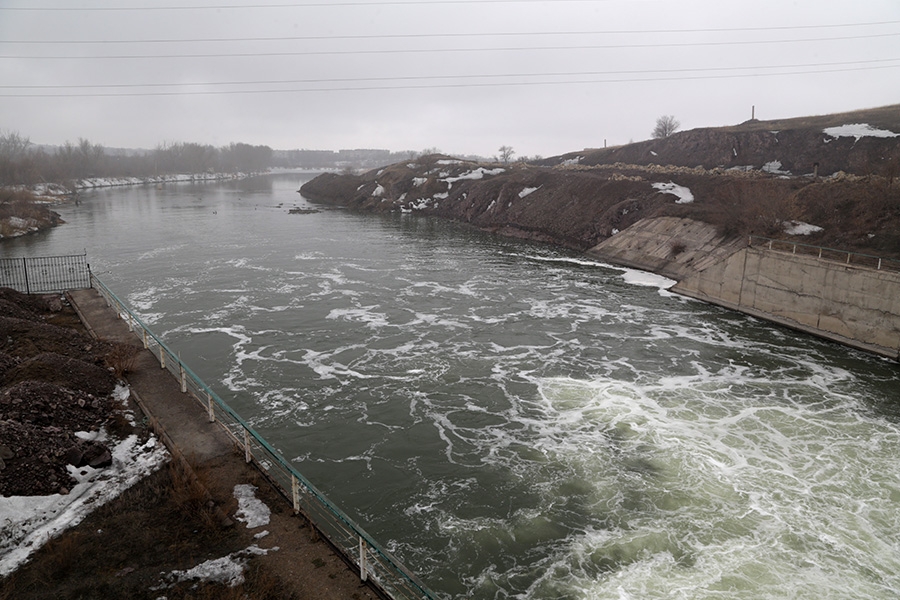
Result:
856,259
374,562
45,274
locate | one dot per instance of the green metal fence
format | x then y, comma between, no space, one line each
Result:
375,564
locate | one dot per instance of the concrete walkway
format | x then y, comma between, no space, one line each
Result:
303,560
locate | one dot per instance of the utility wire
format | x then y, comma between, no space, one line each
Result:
440,85
449,35
446,50
444,77
291,5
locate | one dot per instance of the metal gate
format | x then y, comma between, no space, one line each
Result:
45,274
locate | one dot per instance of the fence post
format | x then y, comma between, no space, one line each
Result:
146,341
363,572
183,377
209,408
879,264
247,455
25,269
295,492
162,357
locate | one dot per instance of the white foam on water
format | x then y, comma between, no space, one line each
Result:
362,314
734,492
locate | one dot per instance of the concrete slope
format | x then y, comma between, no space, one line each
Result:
671,246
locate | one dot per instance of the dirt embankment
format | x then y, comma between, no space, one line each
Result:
54,381
21,213
821,145
578,207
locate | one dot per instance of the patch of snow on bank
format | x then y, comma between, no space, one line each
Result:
448,161
418,181
528,190
251,510
774,167
800,228
228,570
647,279
858,130
478,173
683,194
28,522
630,276
378,191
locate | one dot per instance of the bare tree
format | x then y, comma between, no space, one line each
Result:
506,154
666,125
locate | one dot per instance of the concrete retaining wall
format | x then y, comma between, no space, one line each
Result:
853,305
850,304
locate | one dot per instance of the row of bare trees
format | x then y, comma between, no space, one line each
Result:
22,163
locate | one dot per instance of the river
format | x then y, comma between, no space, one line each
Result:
514,420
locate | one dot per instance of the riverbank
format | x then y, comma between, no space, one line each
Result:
147,524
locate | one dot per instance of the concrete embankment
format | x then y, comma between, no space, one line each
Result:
854,305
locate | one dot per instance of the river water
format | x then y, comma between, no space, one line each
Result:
513,420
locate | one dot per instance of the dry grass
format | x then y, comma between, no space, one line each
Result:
121,358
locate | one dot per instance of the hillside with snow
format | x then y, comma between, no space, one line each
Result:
830,181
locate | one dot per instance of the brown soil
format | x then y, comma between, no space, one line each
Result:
55,380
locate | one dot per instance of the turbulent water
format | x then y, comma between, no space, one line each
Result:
512,420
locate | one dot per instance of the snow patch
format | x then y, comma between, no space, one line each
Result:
419,181
478,173
800,228
27,522
683,194
528,190
858,130
251,510
774,167
378,191
228,570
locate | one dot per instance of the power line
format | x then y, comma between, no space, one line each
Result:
451,35
269,6
442,85
439,77
445,50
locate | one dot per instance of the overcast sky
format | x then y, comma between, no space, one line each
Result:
464,76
